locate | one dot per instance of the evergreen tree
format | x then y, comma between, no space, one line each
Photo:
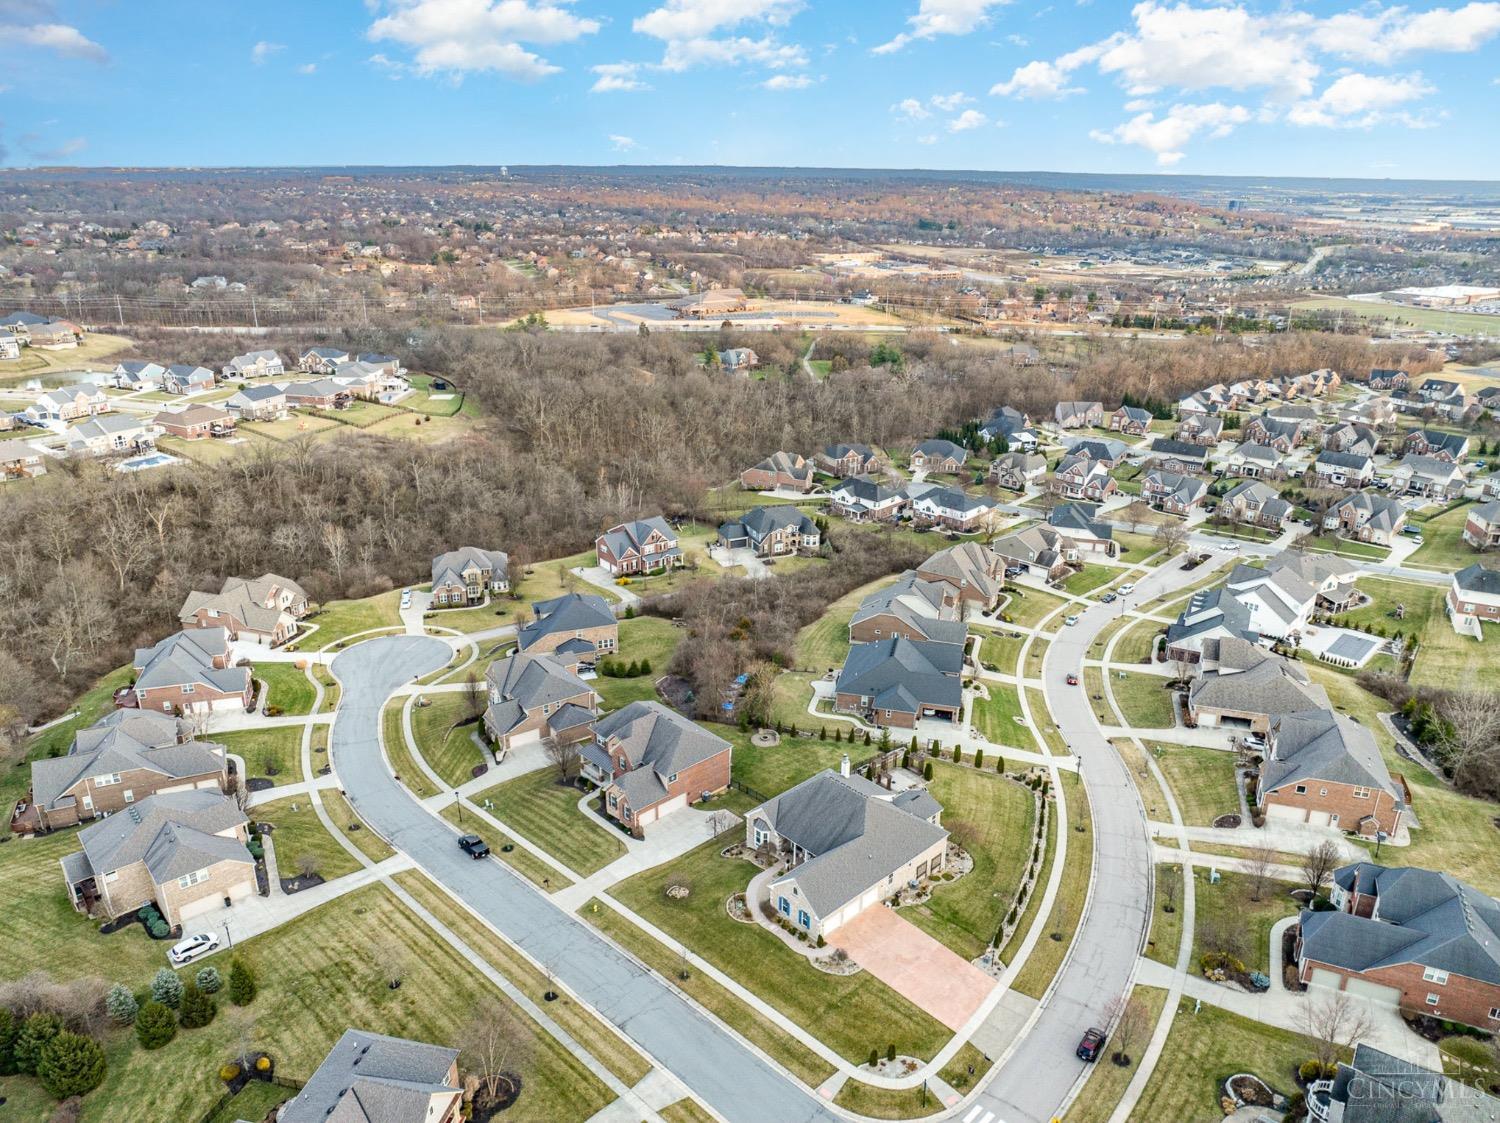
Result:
120,1004
197,1010
166,988
241,983
927,771
155,1026
71,1065
867,736
9,1031
36,1031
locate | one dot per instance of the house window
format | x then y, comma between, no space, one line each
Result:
1361,793
1433,975
1495,1013
129,795
761,834
106,780
803,919
1433,1000
784,906
672,779
196,877
188,687
114,875
1301,789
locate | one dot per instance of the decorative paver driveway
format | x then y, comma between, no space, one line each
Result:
914,965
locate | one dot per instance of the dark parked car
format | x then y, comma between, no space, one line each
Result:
1091,1045
1109,598
474,846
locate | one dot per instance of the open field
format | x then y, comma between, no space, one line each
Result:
822,314
1443,546
542,810
1399,315
1045,959
1443,656
273,753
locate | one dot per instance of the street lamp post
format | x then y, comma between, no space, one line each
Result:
459,803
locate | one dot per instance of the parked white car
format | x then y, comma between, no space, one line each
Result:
185,951
1126,589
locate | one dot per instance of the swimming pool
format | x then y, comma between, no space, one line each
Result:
149,460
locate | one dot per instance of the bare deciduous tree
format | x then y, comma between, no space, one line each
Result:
1171,535
1319,863
566,758
1128,1018
390,957
1333,1024
475,697
1258,865
1473,719
495,1047
719,821
308,865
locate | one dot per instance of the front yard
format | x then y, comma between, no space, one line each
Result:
998,718
543,811
1443,545
299,837
273,753
445,739
1202,781
1027,607
1227,919
1145,700
340,619
1000,650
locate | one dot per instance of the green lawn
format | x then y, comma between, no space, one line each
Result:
994,819
1089,578
1143,699
1093,686
1045,959
1443,656
825,642
253,1101
1443,545
1042,716
1165,937
1135,547
1000,650
300,833
1028,606
997,718
480,618
887,1103
1107,1082
647,638
773,770
1144,779
1202,781
1332,544
445,743
1227,910
273,753
542,874
540,809
331,688
546,580
791,693
402,764
370,844
851,1013
337,620
1136,642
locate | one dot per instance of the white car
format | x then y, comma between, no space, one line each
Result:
406,599
185,951
1126,589
1070,620
1228,548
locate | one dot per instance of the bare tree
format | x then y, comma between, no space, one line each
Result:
495,1046
1258,866
565,757
1129,1018
1473,728
476,699
1333,1024
390,958
1168,886
1319,863
308,865
1171,535
719,821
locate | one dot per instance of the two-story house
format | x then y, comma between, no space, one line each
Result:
1366,518
1078,415
1448,447
262,609
578,629
781,471
191,672
1079,477
771,532
468,575
1342,469
1324,769
1016,471
1482,525
254,364
938,456
862,498
1176,494
536,698
652,761
844,460
950,508
640,547
1256,504
1130,419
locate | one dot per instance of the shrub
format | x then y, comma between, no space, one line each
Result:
927,771
120,1004
241,983
645,666
958,754
36,1031
874,1057
209,980
158,929
71,1065
1309,1070
978,758
197,1010
155,1026
262,1064
629,608
9,1031
890,1052
822,942
867,737
166,988
999,764
229,1073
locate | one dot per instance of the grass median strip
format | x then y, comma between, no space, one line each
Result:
366,841
1067,910
1107,1082
402,762
540,873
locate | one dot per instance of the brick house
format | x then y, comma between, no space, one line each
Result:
1079,477
1342,469
1324,769
1017,471
1352,437
643,546
536,698
468,575
370,1076
1420,940
771,532
845,460
322,393
322,360
190,671
1040,550
780,470
1200,429
1474,595
578,628
1384,378
1173,493
1427,476
897,682
262,609
1130,419
1255,504
1177,456
183,851
913,608
939,456
1079,415
861,497
1240,685
116,762
971,571
196,422
652,761
1366,518
951,508
1482,526
1282,434
1449,447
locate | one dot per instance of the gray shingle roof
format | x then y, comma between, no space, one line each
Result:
918,604
187,657
372,1077
1478,578
568,613
1269,685
939,449
629,536
1321,745
758,522
447,569
658,739
52,776
901,674
174,833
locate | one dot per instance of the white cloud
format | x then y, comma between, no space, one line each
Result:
1380,35
622,143
308,68
57,37
787,82
968,119
683,54
1360,100
911,109
617,77
942,17
264,50
1037,80
1167,136
691,31
948,103
457,36
693,19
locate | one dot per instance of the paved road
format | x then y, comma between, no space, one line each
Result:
718,1069
1037,1077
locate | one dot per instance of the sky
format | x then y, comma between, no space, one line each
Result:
1359,88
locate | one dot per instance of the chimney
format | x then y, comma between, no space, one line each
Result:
844,765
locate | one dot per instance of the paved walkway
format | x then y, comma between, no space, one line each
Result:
665,840
600,578
301,787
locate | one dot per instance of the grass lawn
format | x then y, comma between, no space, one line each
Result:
1093,686
997,718
1000,650
686,1111
1152,798
1205,1049
287,687
402,764
849,1011
253,1101
1135,547
1165,938
480,618
992,818
617,1054
1107,1082
887,1103
1144,700
545,580
446,744
825,642
647,638
1343,547
776,1042
773,770
541,874
1136,642
545,812
300,833
791,693
1443,545
1089,578
337,620
1042,716
330,685
273,753
1034,902
1443,656
1202,781
1028,606
1226,908
1036,974
366,841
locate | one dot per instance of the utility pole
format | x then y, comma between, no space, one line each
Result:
254,315
119,310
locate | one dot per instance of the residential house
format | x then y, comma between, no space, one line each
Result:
1326,769
1106,450
262,609
898,682
848,845
468,575
1474,596
388,365
1242,686
1353,438
1079,415
577,628
1342,469
322,360
1256,504
738,359
1375,1087
265,402
132,374
1078,477
68,404
185,379
862,497
1200,429
1448,447
190,671
536,698
124,757
1130,419
183,851
110,435
1004,423
20,460
1375,413
938,456
1039,550
196,422
371,382
969,569
781,470
1200,403
951,508
1427,476
913,608
10,347
771,532
1281,434
1018,470
1414,939
1482,525
652,761
1177,456
639,547
322,393
254,364
1488,398
19,324
54,335
1084,532
1435,389
1364,517
1383,378
1256,462
372,1078
845,460
1173,493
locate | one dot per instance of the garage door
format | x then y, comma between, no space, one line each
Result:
1320,818
676,803
1322,977
199,907
1385,996
1282,811
531,736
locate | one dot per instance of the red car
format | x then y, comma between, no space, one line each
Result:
1091,1045
1072,680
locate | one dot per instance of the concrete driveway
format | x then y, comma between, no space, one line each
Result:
743,558
914,965
715,1066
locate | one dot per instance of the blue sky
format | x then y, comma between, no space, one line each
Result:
1354,88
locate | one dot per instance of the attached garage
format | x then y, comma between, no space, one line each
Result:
666,807
1374,992
1322,977
1282,811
